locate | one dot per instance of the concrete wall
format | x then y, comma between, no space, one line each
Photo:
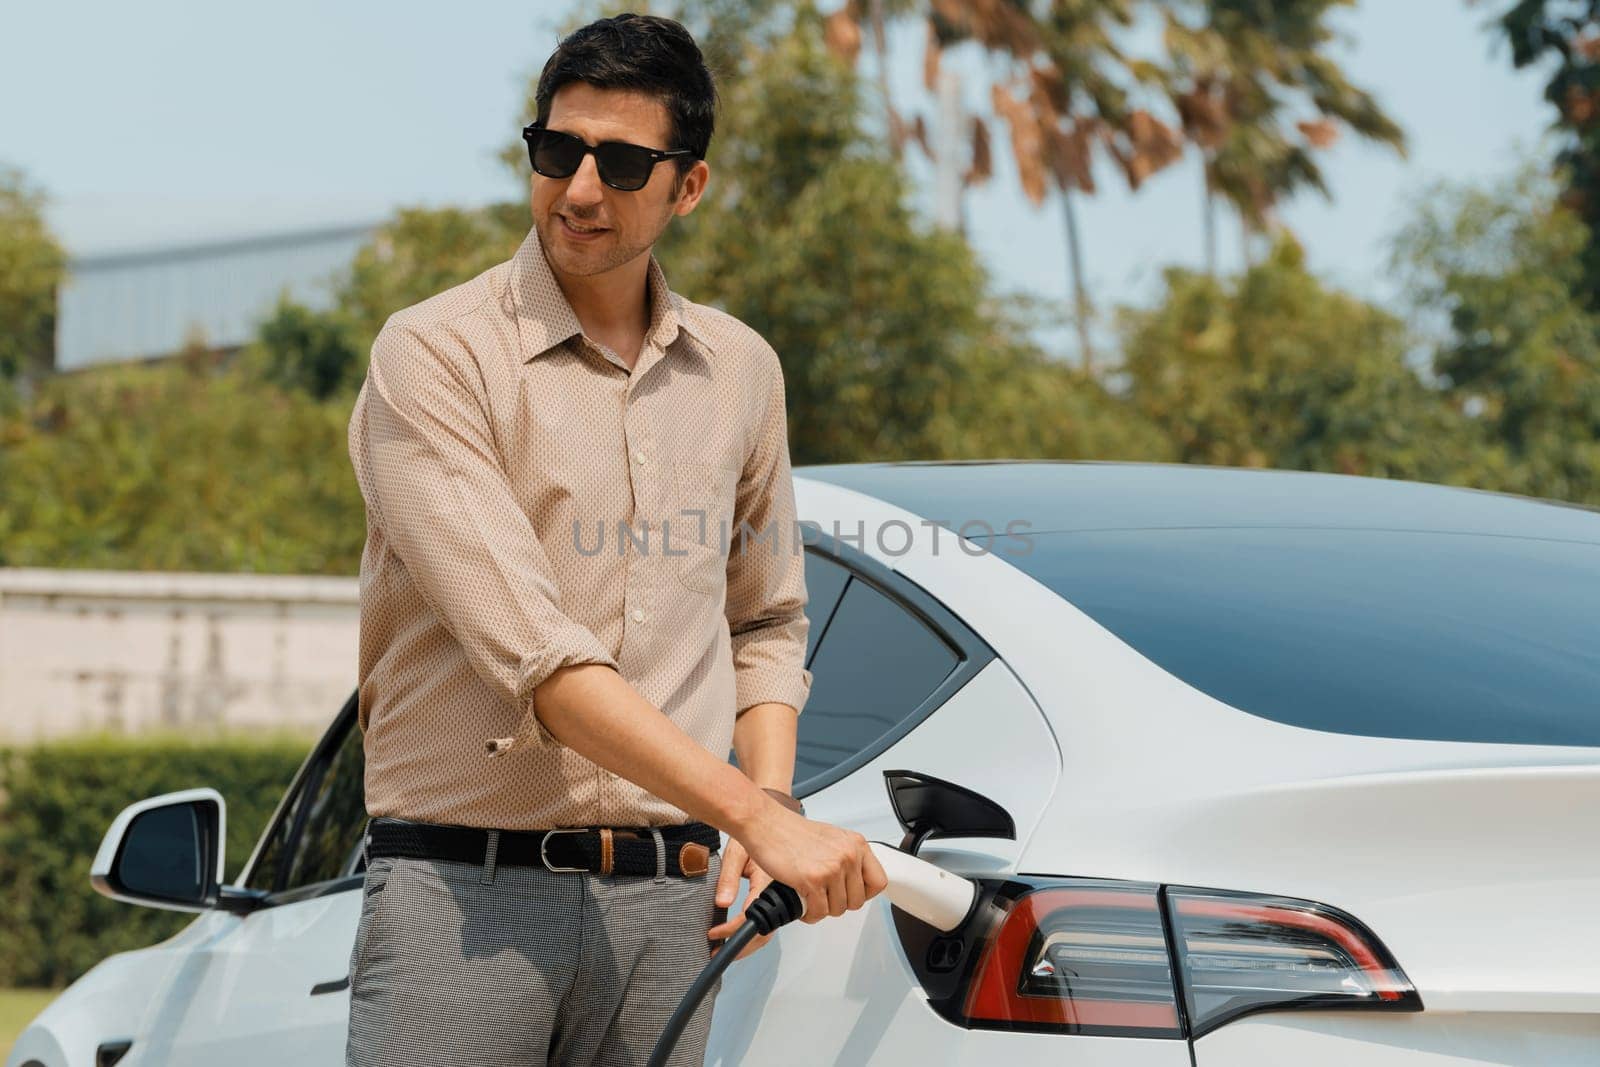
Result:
130,651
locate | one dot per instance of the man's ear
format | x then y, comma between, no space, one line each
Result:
692,187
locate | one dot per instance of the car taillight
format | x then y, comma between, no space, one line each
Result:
1095,957
1241,953
1052,954
1085,959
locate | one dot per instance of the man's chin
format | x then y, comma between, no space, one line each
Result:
583,263
576,262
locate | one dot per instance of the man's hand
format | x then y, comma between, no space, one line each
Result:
833,869
737,864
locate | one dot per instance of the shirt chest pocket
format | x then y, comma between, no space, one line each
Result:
701,523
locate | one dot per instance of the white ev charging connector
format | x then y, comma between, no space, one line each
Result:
932,894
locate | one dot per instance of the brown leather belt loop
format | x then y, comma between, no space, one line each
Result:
694,859
606,850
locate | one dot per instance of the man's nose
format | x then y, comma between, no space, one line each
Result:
584,189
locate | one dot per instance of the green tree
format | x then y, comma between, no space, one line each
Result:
1563,36
1497,274
32,265
298,348
1273,369
177,467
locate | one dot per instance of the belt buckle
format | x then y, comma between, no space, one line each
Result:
544,857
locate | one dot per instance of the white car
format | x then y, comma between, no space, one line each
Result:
1254,768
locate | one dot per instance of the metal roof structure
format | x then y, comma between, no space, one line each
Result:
140,305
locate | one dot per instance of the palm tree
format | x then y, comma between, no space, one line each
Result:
843,32
1238,71
1077,98
1061,84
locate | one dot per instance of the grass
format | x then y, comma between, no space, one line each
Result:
17,1009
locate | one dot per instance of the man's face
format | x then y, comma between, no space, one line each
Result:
616,226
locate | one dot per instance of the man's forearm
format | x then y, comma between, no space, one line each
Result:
764,741
594,711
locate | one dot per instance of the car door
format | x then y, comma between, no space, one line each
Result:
898,682
271,987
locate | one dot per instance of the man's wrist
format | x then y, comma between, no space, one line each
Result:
748,803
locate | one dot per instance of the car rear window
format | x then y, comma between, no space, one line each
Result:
1401,634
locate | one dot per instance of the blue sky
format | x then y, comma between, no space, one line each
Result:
165,122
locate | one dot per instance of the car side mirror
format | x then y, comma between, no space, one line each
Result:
165,852
932,807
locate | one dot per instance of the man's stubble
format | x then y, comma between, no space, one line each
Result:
613,254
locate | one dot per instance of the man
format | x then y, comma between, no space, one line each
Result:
561,632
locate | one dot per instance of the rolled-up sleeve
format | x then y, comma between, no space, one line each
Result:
435,485
766,573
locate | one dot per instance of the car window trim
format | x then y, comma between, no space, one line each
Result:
833,609
302,811
315,763
345,883
972,652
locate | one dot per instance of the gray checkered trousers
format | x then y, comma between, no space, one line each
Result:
462,963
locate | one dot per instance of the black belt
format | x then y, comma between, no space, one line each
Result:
595,849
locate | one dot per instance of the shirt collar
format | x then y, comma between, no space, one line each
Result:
545,317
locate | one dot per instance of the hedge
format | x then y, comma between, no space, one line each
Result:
56,801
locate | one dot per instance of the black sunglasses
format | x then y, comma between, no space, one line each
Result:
621,165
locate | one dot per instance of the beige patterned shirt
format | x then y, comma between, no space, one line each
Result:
532,504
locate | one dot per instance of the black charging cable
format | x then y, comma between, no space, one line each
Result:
776,906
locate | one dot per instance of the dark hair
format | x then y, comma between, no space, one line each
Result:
645,53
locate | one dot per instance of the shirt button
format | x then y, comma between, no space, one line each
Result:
638,457
638,616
